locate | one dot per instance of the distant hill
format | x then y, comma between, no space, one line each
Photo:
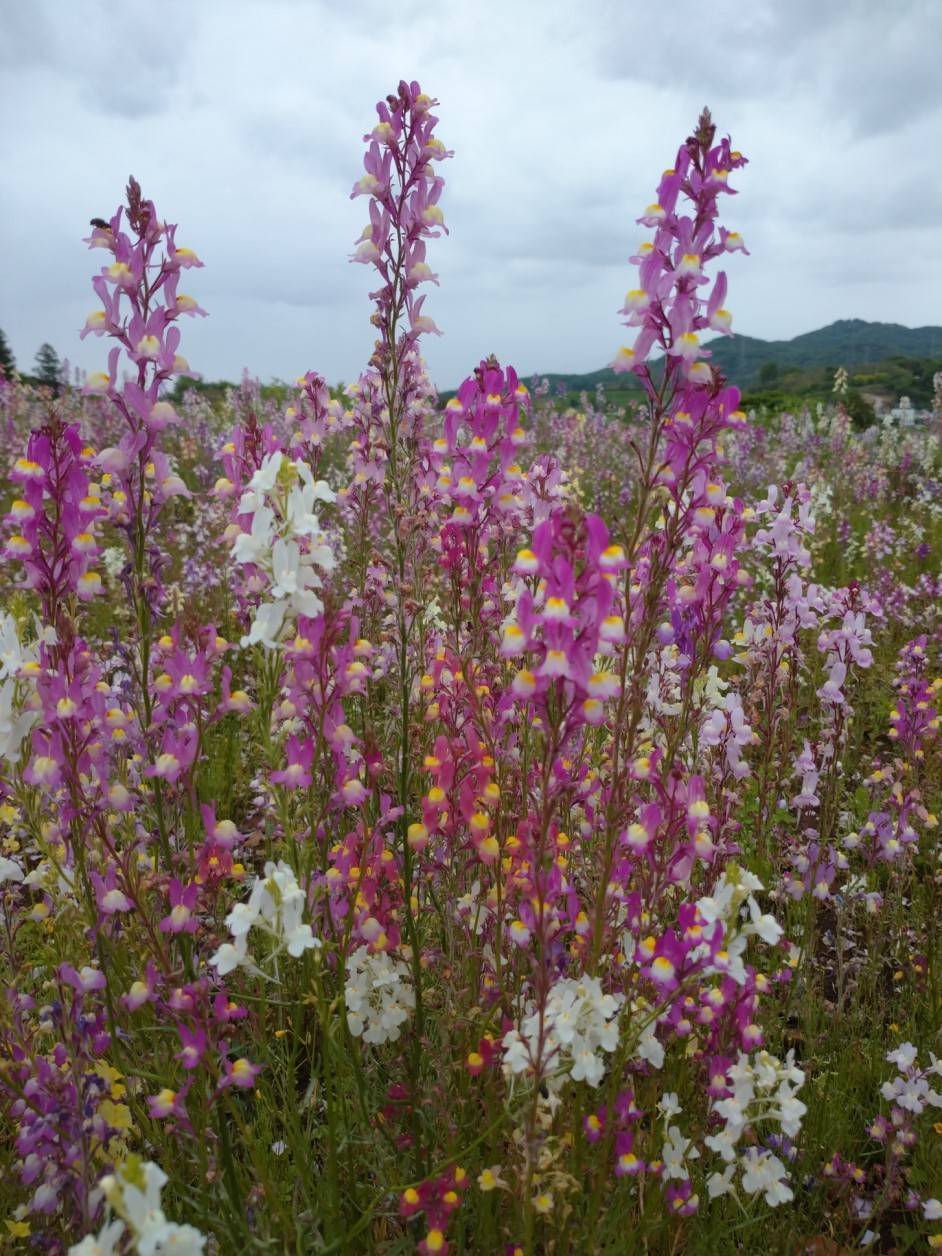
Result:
850,342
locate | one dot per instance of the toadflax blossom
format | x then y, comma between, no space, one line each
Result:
15,722
133,1192
734,889
10,870
13,655
275,907
579,1022
911,1090
755,1091
282,541
378,995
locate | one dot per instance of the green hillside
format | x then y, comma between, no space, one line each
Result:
849,342
884,360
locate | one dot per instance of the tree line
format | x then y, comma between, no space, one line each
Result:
47,369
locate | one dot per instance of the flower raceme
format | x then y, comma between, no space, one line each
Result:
55,521
141,305
378,995
281,543
275,907
671,307
403,194
565,617
133,1193
578,1022
754,1092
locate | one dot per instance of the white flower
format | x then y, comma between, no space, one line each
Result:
12,653
105,1243
762,1171
904,1056
650,1048
293,579
284,544
378,994
14,725
264,479
133,1191
275,907
228,958
677,1151
724,1143
266,627
300,505
14,722
182,1240
767,927
138,1194
253,546
790,1113
712,686
286,569
720,1183
10,870
668,1105
240,919
516,1055
911,1092
298,939
579,1022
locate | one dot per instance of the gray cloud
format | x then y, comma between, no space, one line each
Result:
243,119
29,37
98,47
864,61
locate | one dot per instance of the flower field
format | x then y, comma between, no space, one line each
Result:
488,827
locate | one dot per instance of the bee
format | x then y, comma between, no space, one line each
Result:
100,224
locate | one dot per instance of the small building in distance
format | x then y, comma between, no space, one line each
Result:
906,415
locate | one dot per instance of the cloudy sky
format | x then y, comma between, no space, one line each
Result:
243,121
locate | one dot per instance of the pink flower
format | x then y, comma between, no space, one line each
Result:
177,753
182,902
111,899
84,980
241,1073
166,1103
194,1046
220,832
142,991
297,772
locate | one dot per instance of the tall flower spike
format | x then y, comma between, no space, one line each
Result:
141,305
673,303
403,193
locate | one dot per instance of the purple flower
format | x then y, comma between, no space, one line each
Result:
182,902
84,980
194,1046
